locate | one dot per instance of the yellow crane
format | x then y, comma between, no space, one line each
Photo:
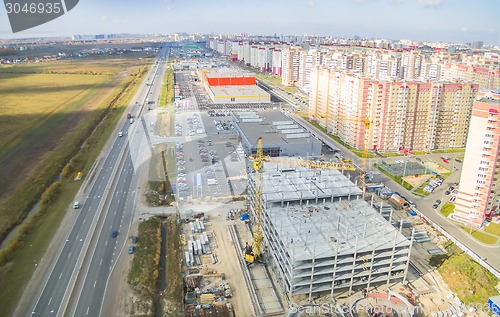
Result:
364,154
253,252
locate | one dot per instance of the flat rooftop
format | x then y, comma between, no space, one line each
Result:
320,229
273,126
289,182
239,91
227,72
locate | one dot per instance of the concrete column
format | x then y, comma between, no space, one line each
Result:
353,264
334,268
409,254
392,258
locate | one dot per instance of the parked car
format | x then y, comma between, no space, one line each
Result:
131,249
76,205
436,204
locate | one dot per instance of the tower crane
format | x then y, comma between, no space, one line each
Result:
253,252
364,154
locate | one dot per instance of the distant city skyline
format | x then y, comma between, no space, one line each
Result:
452,21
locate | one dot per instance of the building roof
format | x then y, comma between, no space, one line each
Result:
320,229
273,126
227,72
239,91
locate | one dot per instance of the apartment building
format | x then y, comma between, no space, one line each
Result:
486,78
290,59
403,115
479,191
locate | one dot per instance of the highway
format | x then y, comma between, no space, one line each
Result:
77,280
489,253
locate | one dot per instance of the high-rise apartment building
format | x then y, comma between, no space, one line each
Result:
479,191
412,115
290,59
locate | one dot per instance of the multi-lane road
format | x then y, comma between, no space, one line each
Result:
76,283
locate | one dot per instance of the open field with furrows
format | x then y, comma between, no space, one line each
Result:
60,139
47,110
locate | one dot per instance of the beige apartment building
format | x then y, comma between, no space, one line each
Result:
403,114
478,194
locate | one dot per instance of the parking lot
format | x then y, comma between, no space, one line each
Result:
208,162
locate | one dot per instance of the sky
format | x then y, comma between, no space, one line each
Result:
452,21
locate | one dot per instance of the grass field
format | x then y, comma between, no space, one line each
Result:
465,277
69,134
47,111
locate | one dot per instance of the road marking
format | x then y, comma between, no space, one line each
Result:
115,213
95,283
50,300
60,275
87,310
83,222
69,254
100,262
106,243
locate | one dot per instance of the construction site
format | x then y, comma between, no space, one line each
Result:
321,236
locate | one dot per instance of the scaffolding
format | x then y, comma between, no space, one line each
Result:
320,236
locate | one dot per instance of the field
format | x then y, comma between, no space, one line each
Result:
46,111
43,129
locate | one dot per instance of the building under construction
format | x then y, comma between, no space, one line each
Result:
320,236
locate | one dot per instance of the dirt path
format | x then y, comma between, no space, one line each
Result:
228,264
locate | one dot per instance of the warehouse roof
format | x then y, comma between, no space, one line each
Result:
227,72
273,126
239,91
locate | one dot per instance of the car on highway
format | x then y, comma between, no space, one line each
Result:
76,205
120,134
131,249
114,234
458,160
436,203
445,160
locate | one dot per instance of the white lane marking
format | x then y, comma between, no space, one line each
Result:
69,254
95,283
60,275
106,243
87,310
50,300
100,262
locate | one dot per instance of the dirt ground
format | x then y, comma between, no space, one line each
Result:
436,167
217,230
416,181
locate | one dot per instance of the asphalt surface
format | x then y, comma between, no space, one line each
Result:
489,253
77,282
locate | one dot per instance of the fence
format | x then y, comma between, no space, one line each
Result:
468,251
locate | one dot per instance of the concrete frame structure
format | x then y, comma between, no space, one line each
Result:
281,135
479,192
320,236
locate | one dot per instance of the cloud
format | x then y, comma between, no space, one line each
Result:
430,3
397,1
464,29
312,3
